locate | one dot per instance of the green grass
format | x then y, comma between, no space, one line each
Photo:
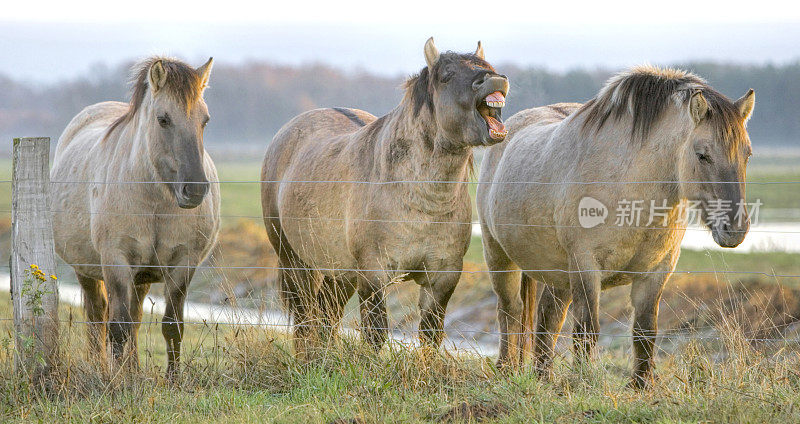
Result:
240,199
771,263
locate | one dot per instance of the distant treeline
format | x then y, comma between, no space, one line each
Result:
250,102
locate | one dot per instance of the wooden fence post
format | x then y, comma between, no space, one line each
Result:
34,290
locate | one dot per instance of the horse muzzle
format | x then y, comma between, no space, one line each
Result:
491,98
727,235
191,194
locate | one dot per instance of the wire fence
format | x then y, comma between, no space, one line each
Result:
661,335
680,334
433,271
391,182
396,221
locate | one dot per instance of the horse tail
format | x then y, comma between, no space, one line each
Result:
528,293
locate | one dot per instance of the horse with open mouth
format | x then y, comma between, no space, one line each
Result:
652,137
354,202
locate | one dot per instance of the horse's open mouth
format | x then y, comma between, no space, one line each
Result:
490,109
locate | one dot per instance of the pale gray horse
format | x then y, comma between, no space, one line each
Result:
651,135
134,204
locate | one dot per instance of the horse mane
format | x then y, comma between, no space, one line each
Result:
645,92
183,84
419,88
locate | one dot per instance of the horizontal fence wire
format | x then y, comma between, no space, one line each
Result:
690,334
671,334
438,271
391,182
396,221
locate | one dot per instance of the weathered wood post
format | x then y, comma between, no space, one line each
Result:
34,290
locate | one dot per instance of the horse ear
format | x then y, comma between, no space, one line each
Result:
205,71
746,104
698,107
158,76
479,51
431,53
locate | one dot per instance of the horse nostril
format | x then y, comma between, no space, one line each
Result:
191,190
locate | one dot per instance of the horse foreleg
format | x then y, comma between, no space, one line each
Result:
176,283
300,295
645,295
585,280
506,286
118,279
374,322
95,304
433,299
137,311
552,311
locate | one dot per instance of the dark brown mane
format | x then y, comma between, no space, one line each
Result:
183,84
646,92
419,88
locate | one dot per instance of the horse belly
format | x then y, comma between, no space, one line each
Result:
426,246
319,245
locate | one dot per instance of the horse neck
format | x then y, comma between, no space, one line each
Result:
658,158
129,150
411,149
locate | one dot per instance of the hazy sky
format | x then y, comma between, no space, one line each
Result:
52,40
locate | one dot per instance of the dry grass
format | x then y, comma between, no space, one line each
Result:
249,374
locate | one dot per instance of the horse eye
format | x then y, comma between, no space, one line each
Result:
704,157
164,120
447,77
206,122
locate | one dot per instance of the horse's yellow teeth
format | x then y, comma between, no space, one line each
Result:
495,104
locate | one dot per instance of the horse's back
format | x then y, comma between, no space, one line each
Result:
313,138
315,127
528,130
519,128
95,119
319,145
77,149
